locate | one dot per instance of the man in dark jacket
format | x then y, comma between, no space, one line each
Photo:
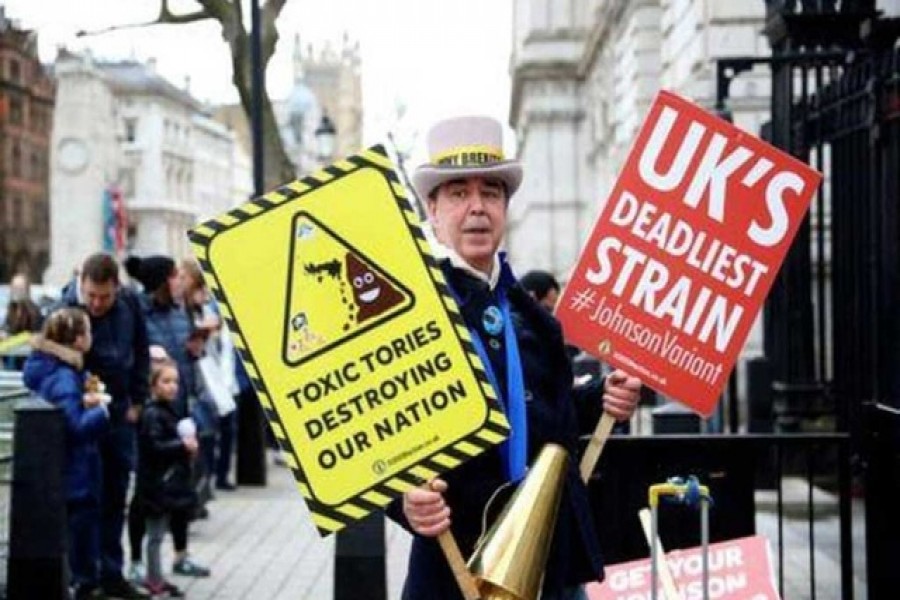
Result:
120,358
542,286
468,185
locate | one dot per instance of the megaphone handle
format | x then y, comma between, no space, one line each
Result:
460,571
595,445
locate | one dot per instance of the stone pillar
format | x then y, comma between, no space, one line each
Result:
83,162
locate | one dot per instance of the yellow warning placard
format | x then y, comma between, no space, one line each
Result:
13,342
341,315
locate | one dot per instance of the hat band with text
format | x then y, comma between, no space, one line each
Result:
462,156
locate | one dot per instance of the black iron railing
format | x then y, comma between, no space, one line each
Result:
832,327
808,517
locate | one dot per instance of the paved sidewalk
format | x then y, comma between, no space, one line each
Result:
260,544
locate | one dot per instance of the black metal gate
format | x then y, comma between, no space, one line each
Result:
832,320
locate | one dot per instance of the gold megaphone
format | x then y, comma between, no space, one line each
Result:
508,564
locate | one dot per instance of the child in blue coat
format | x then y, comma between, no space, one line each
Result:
54,370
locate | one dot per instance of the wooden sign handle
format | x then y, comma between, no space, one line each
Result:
595,445
457,563
665,576
460,571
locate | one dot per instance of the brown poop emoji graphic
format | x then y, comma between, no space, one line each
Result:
372,293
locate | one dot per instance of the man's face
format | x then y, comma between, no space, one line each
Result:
98,297
469,216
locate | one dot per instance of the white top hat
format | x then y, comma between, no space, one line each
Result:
465,147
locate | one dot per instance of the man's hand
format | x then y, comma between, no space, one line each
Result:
134,413
620,394
426,511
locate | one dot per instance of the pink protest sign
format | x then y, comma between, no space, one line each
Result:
739,569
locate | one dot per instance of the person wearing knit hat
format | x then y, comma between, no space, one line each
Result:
467,185
150,271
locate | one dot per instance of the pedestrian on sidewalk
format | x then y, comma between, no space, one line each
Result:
119,356
22,315
467,185
167,446
169,327
215,375
54,370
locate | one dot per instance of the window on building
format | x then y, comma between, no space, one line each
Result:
16,111
15,165
179,180
126,182
3,215
15,71
18,210
35,168
27,215
130,130
41,216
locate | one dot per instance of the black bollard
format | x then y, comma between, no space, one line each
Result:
759,395
37,518
359,560
251,441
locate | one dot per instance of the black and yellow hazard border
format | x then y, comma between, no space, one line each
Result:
330,518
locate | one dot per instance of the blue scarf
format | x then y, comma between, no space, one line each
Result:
514,450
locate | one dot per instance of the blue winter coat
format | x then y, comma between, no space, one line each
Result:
170,327
63,386
120,354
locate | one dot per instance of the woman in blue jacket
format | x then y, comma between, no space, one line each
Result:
54,370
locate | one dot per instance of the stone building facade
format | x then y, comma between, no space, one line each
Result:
120,127
584,74
26,114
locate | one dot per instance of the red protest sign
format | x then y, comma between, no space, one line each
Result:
685,251
740,569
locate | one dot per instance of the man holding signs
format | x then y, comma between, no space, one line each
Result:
468,185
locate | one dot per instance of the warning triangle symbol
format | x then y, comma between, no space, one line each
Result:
334,292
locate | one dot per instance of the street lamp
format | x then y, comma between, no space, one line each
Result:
326,136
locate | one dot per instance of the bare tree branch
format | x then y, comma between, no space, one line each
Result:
222,10
274,7
165,17
269,16
229,15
